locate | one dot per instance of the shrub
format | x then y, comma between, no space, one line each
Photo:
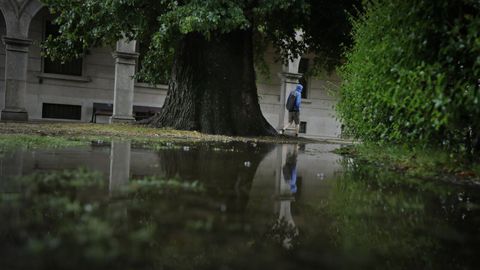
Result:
413,74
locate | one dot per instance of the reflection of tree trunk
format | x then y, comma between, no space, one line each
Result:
213,87
227,173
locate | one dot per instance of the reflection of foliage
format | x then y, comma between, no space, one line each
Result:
394,222
381,226
67,220
420,162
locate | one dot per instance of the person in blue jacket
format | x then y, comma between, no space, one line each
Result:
294,113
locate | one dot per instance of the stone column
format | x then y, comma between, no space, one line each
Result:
289,81
125,59
16,63
119,165
284,196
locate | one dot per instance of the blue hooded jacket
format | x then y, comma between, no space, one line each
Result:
298,97
293,180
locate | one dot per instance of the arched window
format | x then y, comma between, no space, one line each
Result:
73,67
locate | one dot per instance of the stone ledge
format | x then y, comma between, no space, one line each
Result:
18,115
306,101
57,120
121,119
290,77
16,41
150,86
62,77
125,55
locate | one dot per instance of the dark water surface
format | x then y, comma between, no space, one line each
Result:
227,206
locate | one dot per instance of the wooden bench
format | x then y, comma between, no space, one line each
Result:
139,112
144,112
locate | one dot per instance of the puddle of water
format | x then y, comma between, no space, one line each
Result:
229,206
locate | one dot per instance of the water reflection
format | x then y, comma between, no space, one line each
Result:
120,153
227,171
287,190
250,179
290,168
10,167
227,206
252,201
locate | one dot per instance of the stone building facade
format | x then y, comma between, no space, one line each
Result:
34,88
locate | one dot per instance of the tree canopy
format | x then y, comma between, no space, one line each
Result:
160,24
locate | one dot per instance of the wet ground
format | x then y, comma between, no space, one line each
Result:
227,206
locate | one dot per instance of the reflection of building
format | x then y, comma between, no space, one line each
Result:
120,161
37,88
267,184
271,195
260,194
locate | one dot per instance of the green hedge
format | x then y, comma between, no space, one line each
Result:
413,75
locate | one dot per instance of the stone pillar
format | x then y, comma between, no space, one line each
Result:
284,196
282,188
16,63
119,165
289,81
125,59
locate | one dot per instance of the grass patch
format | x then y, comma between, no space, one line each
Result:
416,162
136,133
10,142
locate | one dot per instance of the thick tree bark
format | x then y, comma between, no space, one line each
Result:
213,88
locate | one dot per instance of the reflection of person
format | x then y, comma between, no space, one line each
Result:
285,224
294,112
290,170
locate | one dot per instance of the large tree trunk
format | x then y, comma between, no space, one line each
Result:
213,87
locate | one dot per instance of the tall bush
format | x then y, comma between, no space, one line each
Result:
413,74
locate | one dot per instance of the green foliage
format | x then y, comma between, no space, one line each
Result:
160,24
9,142
412,75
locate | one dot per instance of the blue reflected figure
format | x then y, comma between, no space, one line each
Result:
290,170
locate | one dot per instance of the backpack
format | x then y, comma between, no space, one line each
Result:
290,105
